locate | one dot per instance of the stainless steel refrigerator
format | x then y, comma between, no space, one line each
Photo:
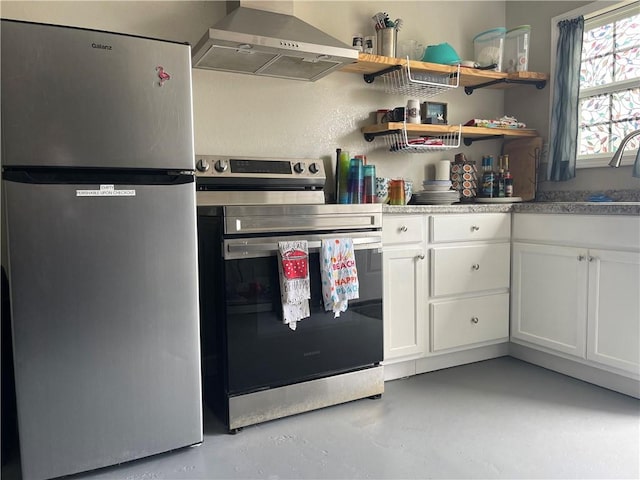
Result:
98,185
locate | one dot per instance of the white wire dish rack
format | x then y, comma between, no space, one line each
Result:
401,80
401,140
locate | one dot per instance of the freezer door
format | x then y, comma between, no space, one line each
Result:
84,98
105,323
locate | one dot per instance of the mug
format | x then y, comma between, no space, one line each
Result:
395,115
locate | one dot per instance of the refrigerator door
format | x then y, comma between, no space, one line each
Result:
84,98
105,323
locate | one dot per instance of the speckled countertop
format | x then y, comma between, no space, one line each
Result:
455,208
553,207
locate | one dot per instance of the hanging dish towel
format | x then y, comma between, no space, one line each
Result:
295,291
339,274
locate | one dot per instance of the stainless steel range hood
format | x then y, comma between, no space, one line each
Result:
260,42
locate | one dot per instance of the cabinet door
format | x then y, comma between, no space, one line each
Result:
404,297
549,297
614,309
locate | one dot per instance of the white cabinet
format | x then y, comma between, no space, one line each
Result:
569,295
469,278
549,296
613,322
460,322
405,289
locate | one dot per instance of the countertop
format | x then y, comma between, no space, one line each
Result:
580,208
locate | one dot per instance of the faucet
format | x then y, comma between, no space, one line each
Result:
617,157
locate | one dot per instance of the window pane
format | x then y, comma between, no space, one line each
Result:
627,64
594,110
594,139
625,104
620,130
610,54
628,32
598,71
598,41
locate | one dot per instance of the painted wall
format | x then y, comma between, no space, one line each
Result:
534,106
258,116
245,115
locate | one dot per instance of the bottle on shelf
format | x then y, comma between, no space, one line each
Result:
508,178
488,177
498,184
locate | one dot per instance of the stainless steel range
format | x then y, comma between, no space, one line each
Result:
255,368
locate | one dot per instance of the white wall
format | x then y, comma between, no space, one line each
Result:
245,115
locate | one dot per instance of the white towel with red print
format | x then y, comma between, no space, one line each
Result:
339,274
295,291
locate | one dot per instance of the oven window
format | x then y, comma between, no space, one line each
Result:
264,352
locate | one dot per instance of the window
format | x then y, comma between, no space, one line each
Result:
609,91
609,81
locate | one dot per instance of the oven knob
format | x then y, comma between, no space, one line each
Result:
202,165
299,167
313,168
221,166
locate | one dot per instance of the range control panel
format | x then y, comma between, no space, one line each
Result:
216,166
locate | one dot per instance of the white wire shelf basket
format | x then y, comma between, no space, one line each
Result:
400,141
419,84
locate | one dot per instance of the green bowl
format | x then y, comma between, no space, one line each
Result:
442,53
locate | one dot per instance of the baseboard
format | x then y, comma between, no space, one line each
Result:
393,371
610,380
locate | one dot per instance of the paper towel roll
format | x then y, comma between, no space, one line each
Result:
442,170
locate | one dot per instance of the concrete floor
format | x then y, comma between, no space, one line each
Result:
500,418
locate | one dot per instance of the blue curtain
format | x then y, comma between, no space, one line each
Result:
563,142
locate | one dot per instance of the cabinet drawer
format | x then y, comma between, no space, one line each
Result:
468,228
458,270
397,229
473,320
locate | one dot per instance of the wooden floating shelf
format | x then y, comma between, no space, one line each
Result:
469,77
421,129
469,134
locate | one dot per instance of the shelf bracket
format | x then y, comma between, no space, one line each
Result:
540,84
370,77
469,140
371,135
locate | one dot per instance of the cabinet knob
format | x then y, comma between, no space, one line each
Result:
421,256
475,266
591,259
403,228
581,258
474,320
475,228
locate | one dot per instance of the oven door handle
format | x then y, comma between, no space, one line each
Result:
234,249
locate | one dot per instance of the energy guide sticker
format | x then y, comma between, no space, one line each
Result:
106,191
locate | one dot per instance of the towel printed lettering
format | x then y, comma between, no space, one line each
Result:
339,274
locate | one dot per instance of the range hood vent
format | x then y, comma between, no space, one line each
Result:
260,42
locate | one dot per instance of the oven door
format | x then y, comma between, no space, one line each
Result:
263,352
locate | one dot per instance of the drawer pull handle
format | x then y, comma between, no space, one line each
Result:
421,256
475,266
403,228
581,258
475,228
474,320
